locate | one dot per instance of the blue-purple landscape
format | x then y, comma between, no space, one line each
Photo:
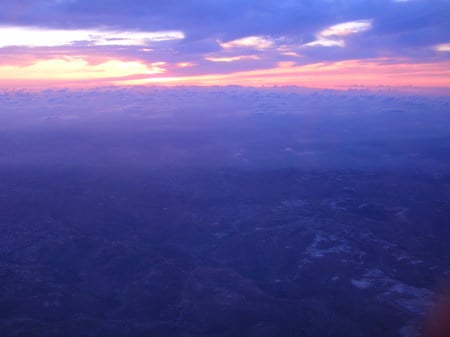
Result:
222,212
224,168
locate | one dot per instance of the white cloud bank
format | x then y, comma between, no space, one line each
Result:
15,36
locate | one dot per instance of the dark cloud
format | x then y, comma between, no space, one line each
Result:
227,18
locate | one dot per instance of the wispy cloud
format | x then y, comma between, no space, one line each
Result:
232,58
16,36
347,28
443,47
78,69
322,42
333,36
256,42
185,64
343,74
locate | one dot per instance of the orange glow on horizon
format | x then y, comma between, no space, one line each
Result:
344,74
76,69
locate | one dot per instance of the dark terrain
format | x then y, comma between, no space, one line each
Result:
264,224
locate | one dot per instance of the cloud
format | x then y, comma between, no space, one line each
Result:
69,69
325,43
256,42
445,47
185,64
232,58
347,28
39,37
332,36
343,74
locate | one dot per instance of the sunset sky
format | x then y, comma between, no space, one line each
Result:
315,43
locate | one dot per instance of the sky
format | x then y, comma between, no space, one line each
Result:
313,43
